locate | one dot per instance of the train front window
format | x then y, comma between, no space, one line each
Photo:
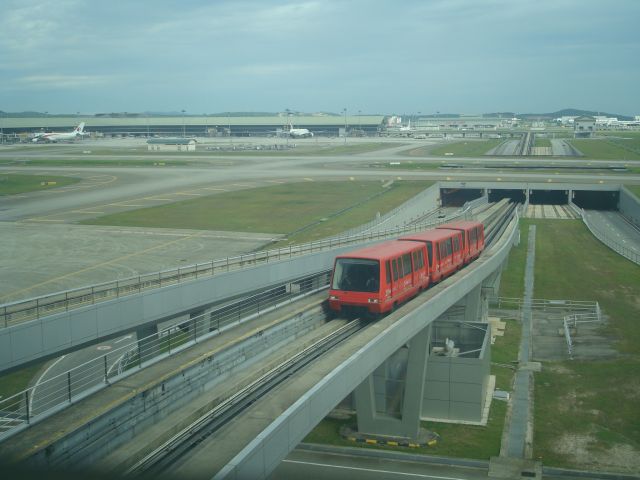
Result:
356,275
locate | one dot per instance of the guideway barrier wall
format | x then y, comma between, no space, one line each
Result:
25,310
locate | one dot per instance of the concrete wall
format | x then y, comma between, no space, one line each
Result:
456,387
66,331
630,206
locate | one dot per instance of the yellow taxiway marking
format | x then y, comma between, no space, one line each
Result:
86,211
188,194
124,205
276,181
242,185
309,179
217,189
158,199
99,265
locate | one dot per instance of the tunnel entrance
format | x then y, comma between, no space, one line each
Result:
517,196
549,197
456,197
591,200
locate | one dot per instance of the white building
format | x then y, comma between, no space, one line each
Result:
171,145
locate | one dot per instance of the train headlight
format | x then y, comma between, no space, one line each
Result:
333,297
373,300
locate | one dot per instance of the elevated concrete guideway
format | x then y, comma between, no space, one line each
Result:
254,443
268,446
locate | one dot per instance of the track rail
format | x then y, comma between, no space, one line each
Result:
179,445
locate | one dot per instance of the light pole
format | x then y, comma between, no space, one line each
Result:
183,125
345,125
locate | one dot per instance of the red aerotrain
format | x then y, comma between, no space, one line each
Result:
376,279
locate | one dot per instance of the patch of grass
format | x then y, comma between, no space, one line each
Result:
17,381
463,441
467,148
635,189
12,184
597,399
512,281
572,264
505,352
88,162
605,149
278,209
542,142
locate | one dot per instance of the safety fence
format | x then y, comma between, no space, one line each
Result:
62,389
30,309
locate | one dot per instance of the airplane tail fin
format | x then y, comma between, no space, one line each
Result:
79,129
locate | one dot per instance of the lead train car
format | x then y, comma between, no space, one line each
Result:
375,279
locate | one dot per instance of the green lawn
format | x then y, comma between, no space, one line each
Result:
592,405
635,189
313,209
605,149
466,148
12,184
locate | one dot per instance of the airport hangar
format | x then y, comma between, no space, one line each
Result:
193,126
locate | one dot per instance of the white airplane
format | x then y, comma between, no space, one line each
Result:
78,132
298,132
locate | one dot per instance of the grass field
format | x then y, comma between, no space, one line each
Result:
312,209
606,149
465,148
12,184
586,412
634,189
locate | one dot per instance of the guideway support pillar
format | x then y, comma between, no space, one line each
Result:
371,409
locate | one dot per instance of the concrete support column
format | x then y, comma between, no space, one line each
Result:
148,344
370,395
473,305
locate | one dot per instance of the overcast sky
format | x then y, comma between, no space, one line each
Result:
407,56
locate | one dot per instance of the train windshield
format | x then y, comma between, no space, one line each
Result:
356,275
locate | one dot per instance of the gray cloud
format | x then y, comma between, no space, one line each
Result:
453,55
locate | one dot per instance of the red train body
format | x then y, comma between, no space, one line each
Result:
376,279
472,237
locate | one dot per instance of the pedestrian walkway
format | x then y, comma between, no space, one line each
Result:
516,449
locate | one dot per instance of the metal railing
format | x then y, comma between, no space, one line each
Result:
34,308
573,320
548,305
61,390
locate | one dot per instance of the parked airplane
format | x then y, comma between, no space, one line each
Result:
78,132
297,132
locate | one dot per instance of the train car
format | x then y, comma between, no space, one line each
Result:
444,250
472,237
376,279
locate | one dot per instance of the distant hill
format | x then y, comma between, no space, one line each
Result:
572,112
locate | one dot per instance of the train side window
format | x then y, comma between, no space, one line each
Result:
456,244
417,260
406,262
429,253
395,270
473,235
388,271
443,250
449,247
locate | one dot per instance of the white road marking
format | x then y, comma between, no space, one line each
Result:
418,475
